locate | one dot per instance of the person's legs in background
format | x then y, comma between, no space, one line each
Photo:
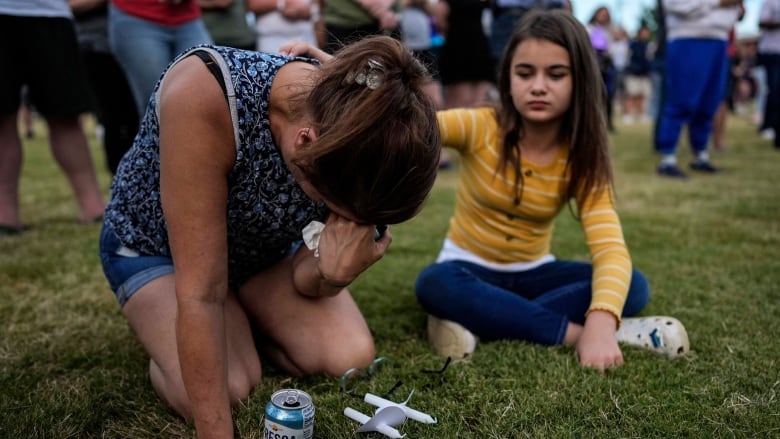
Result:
61,102
48,61
116,110
189,34
152,47
10,171
610,76
759,73
656,91
672,115
11,82
689,100
771,64
143,57
70,149
26,113
715,69
777,130
719,127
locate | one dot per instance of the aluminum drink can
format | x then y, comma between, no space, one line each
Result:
289,415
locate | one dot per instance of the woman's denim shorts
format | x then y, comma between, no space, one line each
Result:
127,270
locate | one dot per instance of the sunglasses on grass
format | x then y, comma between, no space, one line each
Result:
353,378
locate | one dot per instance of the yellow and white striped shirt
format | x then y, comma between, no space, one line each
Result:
489,225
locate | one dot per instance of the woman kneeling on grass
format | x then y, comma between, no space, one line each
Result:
238,152
521,164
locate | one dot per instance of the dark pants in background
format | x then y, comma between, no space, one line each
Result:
114,105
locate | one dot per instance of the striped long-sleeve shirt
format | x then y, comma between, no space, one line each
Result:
488,224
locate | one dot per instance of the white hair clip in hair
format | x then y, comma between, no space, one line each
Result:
372,76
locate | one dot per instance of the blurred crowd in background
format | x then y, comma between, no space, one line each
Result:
121,47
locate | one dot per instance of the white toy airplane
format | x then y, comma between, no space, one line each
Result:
388,416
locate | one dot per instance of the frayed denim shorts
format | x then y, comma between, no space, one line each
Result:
127,270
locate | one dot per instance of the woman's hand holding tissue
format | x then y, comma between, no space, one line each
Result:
343,251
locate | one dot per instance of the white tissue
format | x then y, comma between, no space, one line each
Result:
311,236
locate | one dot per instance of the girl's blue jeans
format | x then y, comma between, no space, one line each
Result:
534,305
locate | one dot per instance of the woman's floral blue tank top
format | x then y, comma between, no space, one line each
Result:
266,208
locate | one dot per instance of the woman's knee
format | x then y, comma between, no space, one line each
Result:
338,356
361,353
242,380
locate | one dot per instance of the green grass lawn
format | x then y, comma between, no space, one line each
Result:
70,367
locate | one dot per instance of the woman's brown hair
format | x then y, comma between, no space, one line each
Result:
584,127
378,141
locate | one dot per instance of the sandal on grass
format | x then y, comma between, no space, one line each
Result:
450,339
6,230
95,220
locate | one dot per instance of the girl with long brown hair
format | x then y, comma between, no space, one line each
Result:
543,149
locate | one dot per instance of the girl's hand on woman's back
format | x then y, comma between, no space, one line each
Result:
300,48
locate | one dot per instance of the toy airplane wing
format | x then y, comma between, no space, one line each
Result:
408,411
383,421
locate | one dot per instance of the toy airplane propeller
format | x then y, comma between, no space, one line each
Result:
388,416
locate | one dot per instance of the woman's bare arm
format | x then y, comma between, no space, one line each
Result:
197,151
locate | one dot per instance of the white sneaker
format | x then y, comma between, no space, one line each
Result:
767,134
450,339
662,334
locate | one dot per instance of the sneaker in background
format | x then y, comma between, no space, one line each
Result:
767,134
662,334
704,166
450,339
670,170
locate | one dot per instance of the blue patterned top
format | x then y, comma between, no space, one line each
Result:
266,208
